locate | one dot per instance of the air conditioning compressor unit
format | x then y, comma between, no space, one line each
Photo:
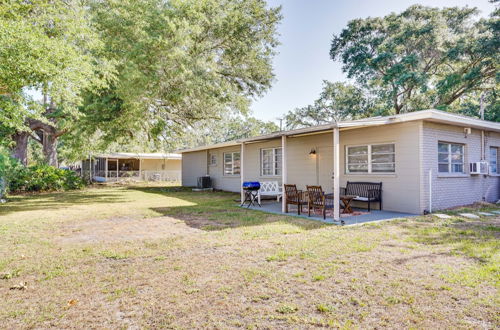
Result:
478,168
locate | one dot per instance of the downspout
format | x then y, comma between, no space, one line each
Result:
430,190
483,147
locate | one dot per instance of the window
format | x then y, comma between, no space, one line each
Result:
376,158
450,158
212,159
232,163
270,161
494,160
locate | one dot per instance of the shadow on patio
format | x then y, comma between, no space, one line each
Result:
360,215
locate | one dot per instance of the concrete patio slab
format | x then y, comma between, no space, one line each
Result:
469,215
372,216
442,216
488,214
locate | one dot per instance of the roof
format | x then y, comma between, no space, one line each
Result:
432,115
140,155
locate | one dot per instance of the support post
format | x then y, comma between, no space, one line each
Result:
106,169
90,167
336,173
140,168
117,168
284,172
242,170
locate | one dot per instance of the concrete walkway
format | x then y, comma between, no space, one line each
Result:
373,216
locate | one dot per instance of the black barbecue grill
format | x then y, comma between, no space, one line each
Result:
251,189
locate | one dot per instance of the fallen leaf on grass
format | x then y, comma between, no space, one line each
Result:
72,302
20,286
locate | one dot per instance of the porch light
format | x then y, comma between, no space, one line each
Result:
312,152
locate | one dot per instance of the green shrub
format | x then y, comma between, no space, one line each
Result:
8,167
43,178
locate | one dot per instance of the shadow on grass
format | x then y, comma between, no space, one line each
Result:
218,210
56,200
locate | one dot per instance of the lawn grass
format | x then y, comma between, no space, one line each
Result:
150,256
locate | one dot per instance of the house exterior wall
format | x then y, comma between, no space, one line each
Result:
219,180
194,164
305,169
449,190
400,190
406,190
161,165
253,160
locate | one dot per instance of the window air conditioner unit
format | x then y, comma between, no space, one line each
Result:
478,168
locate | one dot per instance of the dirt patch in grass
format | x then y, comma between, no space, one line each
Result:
123,229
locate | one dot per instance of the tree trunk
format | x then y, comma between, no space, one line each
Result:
20,150
50,148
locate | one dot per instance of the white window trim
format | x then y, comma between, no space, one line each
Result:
273,164
450,173
210,155
232,163
369,159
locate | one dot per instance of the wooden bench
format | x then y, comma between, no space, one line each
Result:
270,188
370,192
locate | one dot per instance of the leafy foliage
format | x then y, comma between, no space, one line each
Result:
179,62
232,128
49,47
7,166
337,101
43,178
421,58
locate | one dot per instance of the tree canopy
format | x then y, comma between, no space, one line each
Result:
337,101
421,58
51,50
181,62
126,70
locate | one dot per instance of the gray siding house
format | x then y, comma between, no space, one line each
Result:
426,160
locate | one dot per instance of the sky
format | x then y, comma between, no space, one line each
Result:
306,32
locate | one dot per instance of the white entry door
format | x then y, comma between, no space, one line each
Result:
325,168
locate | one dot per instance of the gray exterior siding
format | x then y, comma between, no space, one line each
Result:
194,165
450,190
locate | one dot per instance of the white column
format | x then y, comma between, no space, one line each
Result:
106,169
242,170
117,168
336,174
284,171
140,167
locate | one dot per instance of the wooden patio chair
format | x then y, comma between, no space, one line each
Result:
318,200
293,196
